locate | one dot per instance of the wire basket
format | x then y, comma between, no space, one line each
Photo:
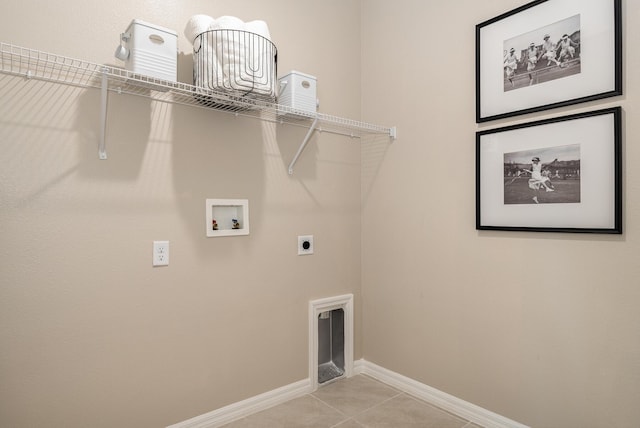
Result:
236,63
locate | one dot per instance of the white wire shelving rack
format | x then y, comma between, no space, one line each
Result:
38,65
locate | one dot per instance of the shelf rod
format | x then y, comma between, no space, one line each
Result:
303,145
102,151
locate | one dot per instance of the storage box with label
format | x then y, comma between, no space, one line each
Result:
298,91
152,50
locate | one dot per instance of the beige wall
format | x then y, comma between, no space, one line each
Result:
541,328
90,333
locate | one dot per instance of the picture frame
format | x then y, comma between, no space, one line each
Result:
576,185
519,70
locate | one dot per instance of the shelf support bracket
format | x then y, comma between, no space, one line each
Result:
303,145
102,151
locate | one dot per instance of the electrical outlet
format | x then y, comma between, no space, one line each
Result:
305,245
160,253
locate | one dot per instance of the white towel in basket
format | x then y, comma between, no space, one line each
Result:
258,27
228,48
227,23
197,24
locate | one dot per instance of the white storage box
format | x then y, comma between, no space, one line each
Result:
153,50
298,91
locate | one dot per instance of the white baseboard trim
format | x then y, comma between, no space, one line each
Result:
247,407
359,367
433,396
419,390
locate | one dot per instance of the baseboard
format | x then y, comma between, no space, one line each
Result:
359,366
419,390
440,399
247,407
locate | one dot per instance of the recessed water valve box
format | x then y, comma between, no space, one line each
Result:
227,217
298,92
150,50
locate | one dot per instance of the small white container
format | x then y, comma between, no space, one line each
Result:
298,91
153,50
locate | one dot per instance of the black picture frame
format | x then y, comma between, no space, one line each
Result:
540,78
579,191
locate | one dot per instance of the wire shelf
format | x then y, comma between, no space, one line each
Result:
34,64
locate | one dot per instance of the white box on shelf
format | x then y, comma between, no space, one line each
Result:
227,217
298,92
153,50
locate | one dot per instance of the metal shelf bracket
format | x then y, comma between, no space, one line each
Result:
303,145
102,150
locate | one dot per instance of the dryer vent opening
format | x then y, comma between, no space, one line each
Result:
330,339
331,360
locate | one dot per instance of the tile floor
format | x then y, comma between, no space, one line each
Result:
357,402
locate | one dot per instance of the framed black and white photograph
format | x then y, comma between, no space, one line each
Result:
548,54
554,175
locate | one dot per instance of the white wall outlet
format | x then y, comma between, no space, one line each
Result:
160,253
305,245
